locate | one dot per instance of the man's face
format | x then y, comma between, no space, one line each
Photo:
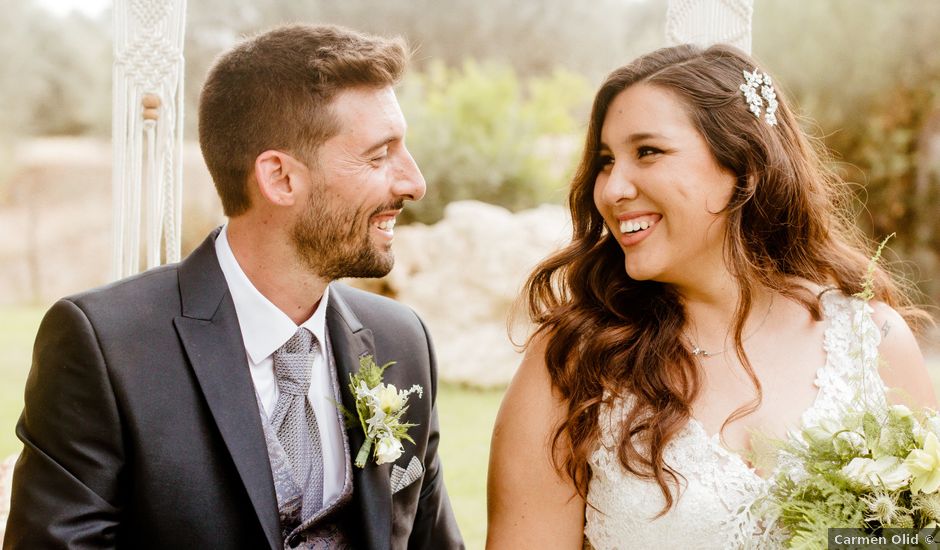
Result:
360,180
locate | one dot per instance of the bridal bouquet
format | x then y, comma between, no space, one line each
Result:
870,471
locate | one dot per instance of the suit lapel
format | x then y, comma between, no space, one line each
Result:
209,331
372,497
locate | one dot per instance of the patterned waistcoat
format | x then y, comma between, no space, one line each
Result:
322,530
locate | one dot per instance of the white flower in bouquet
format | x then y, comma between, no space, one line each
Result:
823,432
848,443
924,464
900,412
887,472
932,424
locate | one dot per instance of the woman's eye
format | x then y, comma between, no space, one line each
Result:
605,161
647,151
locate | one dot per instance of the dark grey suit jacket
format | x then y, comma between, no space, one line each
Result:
141,428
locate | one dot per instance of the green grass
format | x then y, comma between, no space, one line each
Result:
467,418
18,327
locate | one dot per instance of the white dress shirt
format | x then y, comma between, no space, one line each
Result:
265,328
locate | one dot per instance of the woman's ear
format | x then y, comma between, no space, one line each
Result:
276,177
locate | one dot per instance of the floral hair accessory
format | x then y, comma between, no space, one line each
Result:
758,88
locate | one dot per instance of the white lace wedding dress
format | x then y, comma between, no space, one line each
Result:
712,510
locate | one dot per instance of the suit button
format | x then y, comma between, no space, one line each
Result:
294,541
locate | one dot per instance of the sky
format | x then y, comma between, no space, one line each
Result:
63,7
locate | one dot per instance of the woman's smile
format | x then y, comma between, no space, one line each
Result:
636,226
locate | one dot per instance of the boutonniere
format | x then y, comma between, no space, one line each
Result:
379,409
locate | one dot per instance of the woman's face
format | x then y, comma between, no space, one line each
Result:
659,188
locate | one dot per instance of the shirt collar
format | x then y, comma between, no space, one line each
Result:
264,327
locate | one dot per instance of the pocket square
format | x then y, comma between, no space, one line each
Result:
403,477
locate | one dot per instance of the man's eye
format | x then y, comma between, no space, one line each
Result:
379,158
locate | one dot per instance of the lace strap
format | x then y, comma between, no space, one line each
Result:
850,375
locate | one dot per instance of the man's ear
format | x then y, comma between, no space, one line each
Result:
276,176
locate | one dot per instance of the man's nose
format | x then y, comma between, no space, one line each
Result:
409,182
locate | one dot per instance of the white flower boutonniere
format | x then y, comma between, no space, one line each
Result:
379,409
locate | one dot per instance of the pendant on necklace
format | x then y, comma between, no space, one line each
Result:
697,351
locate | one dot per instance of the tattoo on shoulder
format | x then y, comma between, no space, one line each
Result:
885,329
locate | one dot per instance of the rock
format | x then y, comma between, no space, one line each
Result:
463,276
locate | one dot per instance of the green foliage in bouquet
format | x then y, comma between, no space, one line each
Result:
868,285
866,471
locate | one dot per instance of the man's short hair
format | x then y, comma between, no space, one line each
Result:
273,91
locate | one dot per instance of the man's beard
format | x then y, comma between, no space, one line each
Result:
335,243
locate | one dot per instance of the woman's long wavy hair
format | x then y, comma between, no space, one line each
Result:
608,335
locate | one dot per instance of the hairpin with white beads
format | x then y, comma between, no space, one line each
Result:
755,82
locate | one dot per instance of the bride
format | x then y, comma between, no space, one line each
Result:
705,304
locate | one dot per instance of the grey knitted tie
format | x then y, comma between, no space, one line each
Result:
294,421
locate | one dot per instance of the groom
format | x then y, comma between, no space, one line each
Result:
193,406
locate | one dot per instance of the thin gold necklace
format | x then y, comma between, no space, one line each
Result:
698,351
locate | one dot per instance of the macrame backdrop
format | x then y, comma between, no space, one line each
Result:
707,22
147,132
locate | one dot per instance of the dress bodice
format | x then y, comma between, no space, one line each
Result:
713,508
